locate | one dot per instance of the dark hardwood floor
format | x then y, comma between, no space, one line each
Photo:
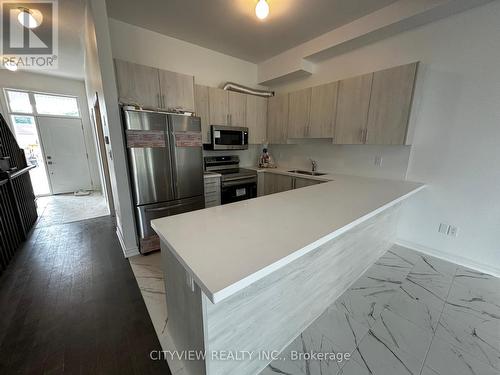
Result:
69,304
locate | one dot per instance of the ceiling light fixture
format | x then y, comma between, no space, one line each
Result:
30,18
262,9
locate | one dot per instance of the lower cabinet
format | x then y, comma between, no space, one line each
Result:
270,183
277,183
212,191
303,182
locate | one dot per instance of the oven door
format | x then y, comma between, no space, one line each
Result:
238,190
229,138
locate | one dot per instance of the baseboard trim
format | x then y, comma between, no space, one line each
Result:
461,261
127,252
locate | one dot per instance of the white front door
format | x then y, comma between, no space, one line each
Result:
65,154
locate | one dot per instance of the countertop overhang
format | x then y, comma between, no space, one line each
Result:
227,248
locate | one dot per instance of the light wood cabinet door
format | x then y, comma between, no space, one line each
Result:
237,108
177,90
277,183
137,84
352,109
298,113
303,182
277,119
218,106
202,110
390,105
323,110
256,119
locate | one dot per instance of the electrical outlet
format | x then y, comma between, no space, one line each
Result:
452,231
443,228
378,161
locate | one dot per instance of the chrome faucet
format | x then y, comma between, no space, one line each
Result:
314,165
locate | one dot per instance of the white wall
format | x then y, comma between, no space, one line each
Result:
56,85
100,78
210,68
456,142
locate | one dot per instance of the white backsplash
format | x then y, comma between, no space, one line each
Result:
345,159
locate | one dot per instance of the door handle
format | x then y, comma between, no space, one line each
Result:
163,208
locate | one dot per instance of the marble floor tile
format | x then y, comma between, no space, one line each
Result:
400,342
375,356
366,298
464,335
475,307
433,275
353,368
387,320
428,371
389,266
421,293
365,302
416,310
309,341
67,208
446,359
475,279
408,255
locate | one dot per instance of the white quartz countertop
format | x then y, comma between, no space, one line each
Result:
226,248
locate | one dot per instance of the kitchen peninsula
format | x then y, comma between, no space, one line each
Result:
252,275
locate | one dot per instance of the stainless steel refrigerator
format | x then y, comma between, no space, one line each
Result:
166,168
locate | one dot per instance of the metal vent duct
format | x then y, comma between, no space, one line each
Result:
247,90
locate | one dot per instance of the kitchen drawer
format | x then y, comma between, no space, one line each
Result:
212,189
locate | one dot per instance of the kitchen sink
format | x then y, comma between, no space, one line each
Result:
310,173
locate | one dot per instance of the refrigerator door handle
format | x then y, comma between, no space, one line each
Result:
164,208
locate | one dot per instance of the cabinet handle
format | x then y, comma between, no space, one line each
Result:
365,137
361,132
158,100
163,101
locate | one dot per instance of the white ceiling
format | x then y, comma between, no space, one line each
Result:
231,27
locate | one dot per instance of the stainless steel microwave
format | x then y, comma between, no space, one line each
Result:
229,138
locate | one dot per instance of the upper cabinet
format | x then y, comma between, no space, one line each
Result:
298,113
137,84
219,106
256,113
390,104
237,108
277,119
352,109
223,107
323,110
177,90
149,87
202,110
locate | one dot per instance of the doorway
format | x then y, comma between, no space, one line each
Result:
50,129
65,153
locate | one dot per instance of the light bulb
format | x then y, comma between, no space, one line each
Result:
30,18
262,9
10,65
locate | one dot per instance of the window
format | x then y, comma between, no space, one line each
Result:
56,105
19,101
44,104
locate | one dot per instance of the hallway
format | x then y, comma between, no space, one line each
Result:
70,304
68,208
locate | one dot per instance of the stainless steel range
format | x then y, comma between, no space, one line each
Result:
236,183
